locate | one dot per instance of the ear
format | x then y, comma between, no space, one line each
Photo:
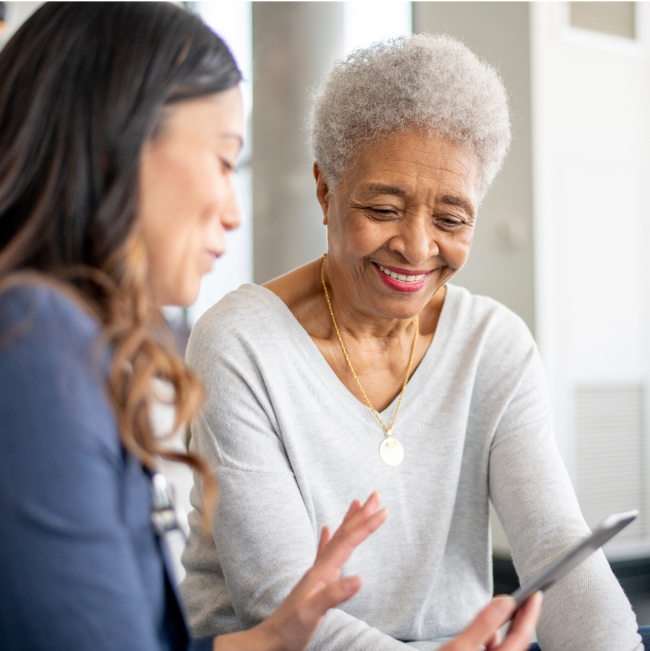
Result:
322,191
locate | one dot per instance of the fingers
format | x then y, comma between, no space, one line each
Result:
354,507
359,518
523,624
333,552
354,530
484,626
321,588
294,623
493,643
325,537
330,596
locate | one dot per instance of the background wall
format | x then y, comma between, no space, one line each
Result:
591,99
501,264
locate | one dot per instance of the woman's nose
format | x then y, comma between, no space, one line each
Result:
416,241
231,215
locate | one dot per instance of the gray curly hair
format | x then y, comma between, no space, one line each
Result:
432,82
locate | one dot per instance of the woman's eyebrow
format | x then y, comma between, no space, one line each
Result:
458,201
236,136
451,200
386,189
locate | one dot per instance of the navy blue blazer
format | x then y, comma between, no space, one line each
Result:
80,564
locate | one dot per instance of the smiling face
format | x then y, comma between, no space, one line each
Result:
401,223
187,198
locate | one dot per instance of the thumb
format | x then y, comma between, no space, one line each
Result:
486,623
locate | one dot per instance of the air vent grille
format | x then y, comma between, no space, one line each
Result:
609,455
613,18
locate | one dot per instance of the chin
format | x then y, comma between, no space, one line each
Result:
184,298
403,306
189,299
400,309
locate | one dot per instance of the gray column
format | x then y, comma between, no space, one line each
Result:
501,264
294,44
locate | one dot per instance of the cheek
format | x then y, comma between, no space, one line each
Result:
182,188
458,248
194,256
169,257
205,186
185,265
176,259
360,236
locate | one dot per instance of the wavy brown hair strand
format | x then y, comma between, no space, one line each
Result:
83,86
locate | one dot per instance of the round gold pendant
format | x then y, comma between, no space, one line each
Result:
391,452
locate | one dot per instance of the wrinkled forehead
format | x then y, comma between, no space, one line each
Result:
411,164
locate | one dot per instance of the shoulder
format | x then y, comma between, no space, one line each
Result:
239,309
53,369
46,332
478,309
245,321
491,344
43,313
480,321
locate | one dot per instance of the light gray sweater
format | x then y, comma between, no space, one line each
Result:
291,447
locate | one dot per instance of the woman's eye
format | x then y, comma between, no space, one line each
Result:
383,212
228,167
450,222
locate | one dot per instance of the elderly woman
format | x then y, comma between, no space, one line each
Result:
366,370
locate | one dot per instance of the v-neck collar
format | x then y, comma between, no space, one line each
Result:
418,379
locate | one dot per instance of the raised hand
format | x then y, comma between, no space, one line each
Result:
294,623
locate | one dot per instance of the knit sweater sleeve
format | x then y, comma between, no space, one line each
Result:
534,498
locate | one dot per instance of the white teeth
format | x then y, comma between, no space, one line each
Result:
401,277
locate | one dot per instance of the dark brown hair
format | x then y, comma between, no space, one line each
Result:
82,87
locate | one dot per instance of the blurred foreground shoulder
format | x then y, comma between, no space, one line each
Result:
40,313
53,368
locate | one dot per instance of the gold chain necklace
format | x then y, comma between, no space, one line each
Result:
390,450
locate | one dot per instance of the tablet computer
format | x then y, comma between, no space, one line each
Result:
550,575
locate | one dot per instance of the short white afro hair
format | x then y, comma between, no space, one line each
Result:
434,83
